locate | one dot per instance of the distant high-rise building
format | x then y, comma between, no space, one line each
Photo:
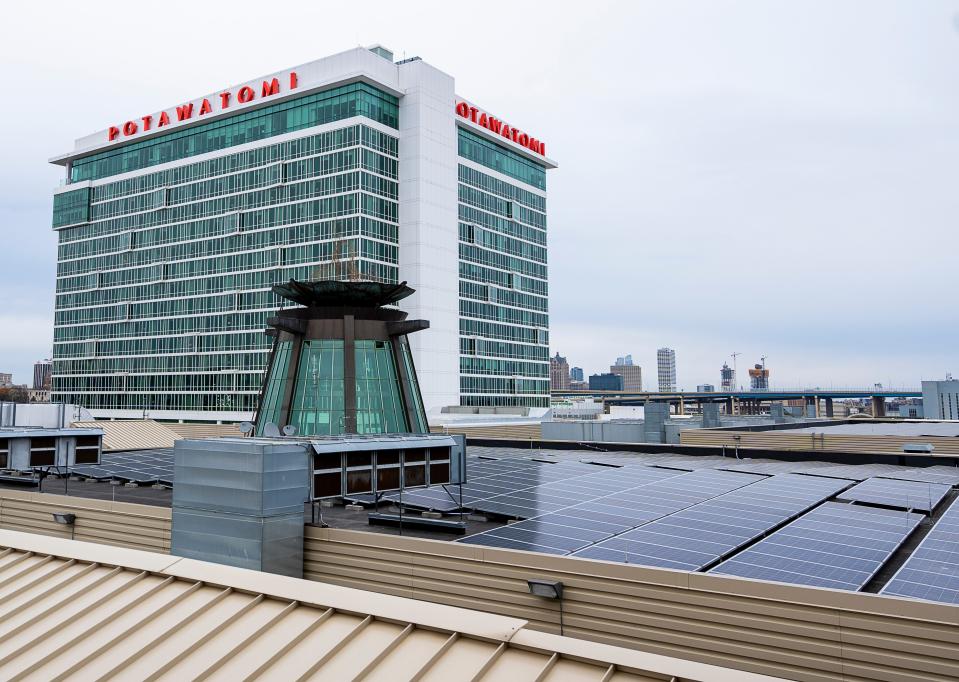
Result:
705,388
727,378
605,382
759,378
626,360
940,399
6,380
41,375
558,373
576,374
666,364
632,374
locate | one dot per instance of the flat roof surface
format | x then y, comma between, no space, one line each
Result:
84,610
909,429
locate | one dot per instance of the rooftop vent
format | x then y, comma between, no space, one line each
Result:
385,53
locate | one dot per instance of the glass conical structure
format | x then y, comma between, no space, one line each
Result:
341,363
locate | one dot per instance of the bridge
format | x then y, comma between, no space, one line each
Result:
749,402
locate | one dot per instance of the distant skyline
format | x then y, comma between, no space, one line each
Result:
764,177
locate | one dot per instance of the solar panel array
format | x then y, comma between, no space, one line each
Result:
520,489
895,493
694,538
136,466
932,570
654,494
553,496
835,545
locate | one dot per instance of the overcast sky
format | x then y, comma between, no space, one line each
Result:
773,178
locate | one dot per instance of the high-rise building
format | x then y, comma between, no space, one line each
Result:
174,225
705,388
605,382
558,373
666,366
625,360
632,375
41,375
6,380
727,378
759,378
940,399
576,374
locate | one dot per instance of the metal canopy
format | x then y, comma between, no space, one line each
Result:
335,293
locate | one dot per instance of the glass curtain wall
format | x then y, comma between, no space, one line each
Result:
379,403
318,403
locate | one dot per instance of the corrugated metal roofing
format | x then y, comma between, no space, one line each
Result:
81,611
204,430
133,434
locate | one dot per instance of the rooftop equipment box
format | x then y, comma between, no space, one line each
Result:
252,476
239,501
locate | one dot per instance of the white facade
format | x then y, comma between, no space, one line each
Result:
666,366
429,241
940,399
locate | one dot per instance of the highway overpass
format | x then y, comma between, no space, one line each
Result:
746,402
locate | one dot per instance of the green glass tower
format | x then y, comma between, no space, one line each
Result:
342,362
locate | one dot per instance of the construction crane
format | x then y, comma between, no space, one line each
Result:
342,264
735,374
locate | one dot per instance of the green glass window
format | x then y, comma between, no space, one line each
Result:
418,412
356,99
317,407
276,387
379,404
491,155
70,208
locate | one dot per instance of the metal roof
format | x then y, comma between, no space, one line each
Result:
133,434
86,610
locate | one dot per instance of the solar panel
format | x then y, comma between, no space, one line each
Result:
653,493
896,493
858,472
771,467
696,537
935,474
835,545
932,570
544,498
137,466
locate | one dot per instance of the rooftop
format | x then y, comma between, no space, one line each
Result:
89,610
698,513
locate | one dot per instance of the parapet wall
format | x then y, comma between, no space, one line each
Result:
138,526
